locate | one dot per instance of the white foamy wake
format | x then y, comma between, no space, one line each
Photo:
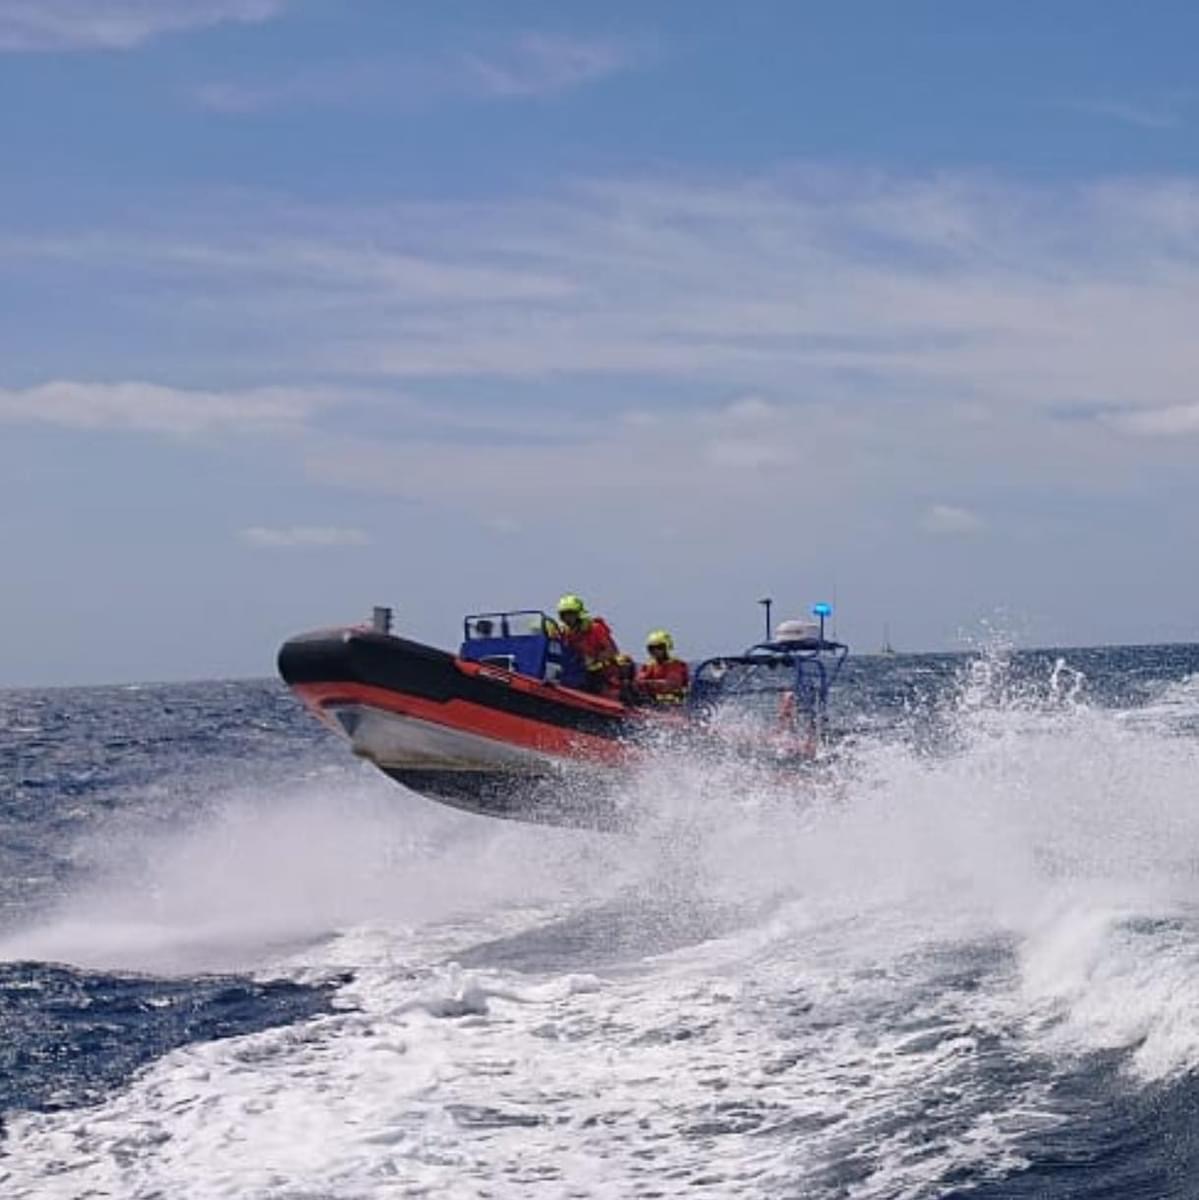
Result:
753,995
260,871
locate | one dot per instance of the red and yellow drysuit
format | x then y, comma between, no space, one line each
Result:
592,641
664,680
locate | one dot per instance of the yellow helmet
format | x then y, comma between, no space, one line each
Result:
570,603
659,637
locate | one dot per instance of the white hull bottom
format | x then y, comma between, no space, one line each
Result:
391,740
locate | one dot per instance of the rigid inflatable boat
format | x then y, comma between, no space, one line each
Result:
505,728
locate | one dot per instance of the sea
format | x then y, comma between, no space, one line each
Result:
961,960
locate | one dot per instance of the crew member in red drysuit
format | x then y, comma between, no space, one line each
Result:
591,639
805,741
664,679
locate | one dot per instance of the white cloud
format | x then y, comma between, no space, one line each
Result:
749,410
641,419
1161,112
330,270
150,408
687,472
949,520
1178,419
116,24
528,66
540,64
748,453
507,526
319,536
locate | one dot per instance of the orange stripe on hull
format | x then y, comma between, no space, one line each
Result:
468,717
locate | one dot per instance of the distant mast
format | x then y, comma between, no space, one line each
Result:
886,647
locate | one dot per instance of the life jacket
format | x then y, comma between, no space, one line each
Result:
666,682
593,642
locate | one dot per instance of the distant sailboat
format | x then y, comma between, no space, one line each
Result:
886,647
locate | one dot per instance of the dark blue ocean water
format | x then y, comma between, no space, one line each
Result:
81,765
134,821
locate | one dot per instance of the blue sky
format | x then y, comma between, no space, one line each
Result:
315,304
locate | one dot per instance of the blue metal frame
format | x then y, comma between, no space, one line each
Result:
808,669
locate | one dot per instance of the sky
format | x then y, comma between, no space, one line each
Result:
312,305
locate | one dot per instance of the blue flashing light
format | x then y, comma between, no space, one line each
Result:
822,609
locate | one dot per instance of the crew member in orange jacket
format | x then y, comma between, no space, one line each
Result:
664,679
591,639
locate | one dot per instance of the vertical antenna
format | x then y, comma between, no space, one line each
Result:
766,602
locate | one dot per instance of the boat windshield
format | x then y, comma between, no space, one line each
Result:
524,641
519,623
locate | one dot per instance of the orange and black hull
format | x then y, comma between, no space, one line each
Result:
468,734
